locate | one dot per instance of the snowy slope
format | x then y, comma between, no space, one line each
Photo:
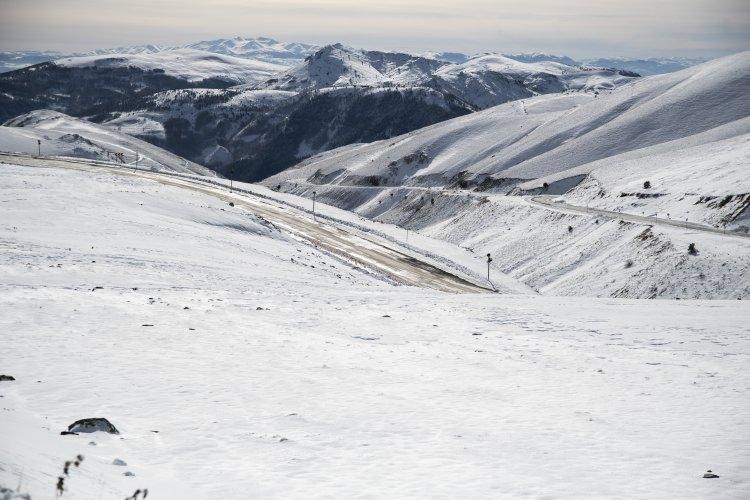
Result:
686,133
63,135
189,64
238,362
274,118
701,178
492,79
331,66
259,49
546,135
480,82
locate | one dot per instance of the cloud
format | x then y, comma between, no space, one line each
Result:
578,27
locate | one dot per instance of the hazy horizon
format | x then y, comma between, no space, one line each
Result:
582,29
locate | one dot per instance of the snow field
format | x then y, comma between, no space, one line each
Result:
346,387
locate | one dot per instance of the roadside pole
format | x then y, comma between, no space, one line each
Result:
39,147
314,218
489,259
231,174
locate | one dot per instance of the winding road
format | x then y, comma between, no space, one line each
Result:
355,248
547,201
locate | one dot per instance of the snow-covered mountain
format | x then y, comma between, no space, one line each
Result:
350,95
260,49
546,135
188,64
451,57
13,60
340,66
646,67
686,133
260,126
538,57
480,82
488,80
63,135
290,53
264,131
643,66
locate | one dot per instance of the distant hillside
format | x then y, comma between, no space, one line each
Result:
250,119
259,49
646,67
63,135
673,147
480,82
546,135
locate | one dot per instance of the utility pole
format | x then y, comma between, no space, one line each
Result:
489,259
39,147
314,193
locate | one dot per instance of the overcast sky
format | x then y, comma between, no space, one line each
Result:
579,28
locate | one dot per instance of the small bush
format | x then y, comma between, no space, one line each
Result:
628,264
647,185
570,229
138,494
60,486
692,250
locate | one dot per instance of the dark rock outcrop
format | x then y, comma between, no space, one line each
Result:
97,424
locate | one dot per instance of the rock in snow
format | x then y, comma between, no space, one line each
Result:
6,378
8,494
96,424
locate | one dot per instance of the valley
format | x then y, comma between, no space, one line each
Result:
250,268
